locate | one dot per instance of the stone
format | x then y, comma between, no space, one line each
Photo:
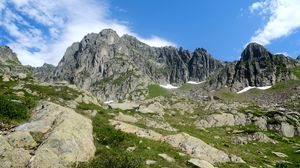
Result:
4,145
216,120
166,157
68,142
158,124
150,162
279,154
126,118
15,158
257,136
155,107
198,149
140,132
287,129
130,149
261,123
200,163
21,139
124,106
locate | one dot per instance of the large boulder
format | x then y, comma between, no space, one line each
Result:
21,139
15,158
66,141
199,149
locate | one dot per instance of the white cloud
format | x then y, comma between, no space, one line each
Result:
283,19
49,27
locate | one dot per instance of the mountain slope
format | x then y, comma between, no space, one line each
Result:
114,67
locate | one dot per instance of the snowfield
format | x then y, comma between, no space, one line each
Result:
195,83
252,87
169,86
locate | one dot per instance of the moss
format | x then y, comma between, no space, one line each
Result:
38,137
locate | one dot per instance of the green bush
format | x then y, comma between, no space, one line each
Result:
13,111
281,165
111,158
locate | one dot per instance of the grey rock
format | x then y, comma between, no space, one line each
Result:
15,158
287,129
166,157
150,162
124,106
21,139
126,118
200,163
199,149
258,136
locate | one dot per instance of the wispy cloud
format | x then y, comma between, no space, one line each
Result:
40,31
283,19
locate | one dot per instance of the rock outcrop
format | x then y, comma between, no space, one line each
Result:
63,141
257,67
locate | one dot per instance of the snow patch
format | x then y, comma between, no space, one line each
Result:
169,86
252,87
109,102
195,83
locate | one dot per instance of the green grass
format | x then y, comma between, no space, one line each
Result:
54,92
156,91
111,147
12,111
90,106
186,86
296,71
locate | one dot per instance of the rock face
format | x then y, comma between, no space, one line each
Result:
8,56
114,67
65,141
44,72
257,67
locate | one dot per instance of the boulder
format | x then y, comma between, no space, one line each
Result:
279,154
21,139
4,145
140,132
126,118
287,130
200,163
258,136
68,142
216,120
124,106
261,123
155,107
166,157
199,149
150,162
15,158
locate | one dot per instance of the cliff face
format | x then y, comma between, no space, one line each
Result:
257,67
114,67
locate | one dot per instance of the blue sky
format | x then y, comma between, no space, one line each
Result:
40,31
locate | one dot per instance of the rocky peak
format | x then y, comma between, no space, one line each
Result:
8,56
109,35
255,51
298,58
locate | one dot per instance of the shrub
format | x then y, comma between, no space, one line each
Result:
13,111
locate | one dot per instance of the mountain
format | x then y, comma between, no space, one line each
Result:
8,56
257,67
114,67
